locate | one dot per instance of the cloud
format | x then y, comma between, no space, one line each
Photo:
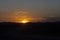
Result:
51,16
52,19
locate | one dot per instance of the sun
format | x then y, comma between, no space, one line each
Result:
24,21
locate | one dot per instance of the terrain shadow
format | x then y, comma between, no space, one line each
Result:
17,31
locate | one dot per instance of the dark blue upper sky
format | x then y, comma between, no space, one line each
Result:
37,8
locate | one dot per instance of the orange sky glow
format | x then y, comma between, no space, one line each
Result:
19,16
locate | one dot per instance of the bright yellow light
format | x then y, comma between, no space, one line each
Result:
25,21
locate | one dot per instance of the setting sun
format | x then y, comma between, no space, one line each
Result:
25,21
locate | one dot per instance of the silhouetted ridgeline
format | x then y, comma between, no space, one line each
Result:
18,29
34,27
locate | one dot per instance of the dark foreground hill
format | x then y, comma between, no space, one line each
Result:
30,31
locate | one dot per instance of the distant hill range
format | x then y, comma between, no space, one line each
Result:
48,28
19,30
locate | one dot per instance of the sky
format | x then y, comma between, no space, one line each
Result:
35,10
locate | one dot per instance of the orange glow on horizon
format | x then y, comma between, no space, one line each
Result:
24,21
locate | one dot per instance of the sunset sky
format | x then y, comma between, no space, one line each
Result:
33,10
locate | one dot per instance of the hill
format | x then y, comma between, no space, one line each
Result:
11,30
